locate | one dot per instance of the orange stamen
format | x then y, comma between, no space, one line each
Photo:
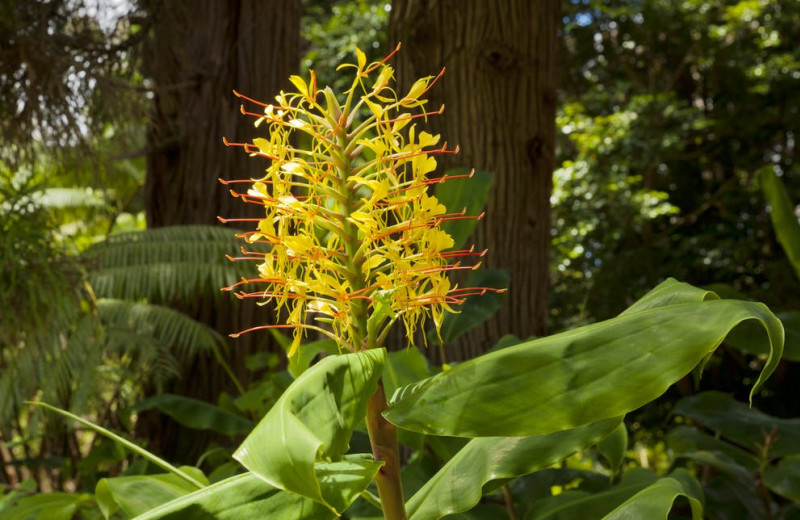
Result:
384,60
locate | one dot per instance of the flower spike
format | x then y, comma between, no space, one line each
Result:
354,237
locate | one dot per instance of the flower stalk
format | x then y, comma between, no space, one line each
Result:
354,236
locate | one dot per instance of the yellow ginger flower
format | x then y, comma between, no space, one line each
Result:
354,236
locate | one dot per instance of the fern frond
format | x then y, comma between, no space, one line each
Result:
139,354
185,336
53,369
165,264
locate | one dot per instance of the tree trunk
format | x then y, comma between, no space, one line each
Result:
201,51
500,97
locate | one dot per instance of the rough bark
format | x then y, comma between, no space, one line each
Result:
201,51
500,98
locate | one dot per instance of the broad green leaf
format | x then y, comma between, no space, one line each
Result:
312,423
670,292
579,505
485,463
476,309
749,338
538,486
468,194
482,512
578,377
656,500
161,463
721,462
729,497
343,481
302,359
741,424
243,497
784,478
784,219
48,506
196,414
614,446
141,493
686,439
404,367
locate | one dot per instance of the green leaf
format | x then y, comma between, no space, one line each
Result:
784,478
721,462
748,338
404,367
161,463
741,424
48,506
640,495
311,424
302,359
670,292
141,493
729,497
579,505
656,500
476,309
784,219
196,414
614,446
581,376
686,439
469,194
483,464
243,497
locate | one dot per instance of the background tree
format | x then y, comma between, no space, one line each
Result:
500,98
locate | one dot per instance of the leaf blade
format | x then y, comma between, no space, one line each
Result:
581,376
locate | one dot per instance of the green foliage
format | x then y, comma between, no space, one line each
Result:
139,494
168,264
98,355
333,29
584,375
784,220
196,414
656,177
669,110
467,193
302,466
640,494
242,497
47,333
747,450
485,463
127,444
300,444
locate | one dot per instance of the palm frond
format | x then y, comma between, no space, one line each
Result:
169,264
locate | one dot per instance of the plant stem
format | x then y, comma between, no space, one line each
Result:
509,500
383,438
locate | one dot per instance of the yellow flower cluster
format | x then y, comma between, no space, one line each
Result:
354,234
